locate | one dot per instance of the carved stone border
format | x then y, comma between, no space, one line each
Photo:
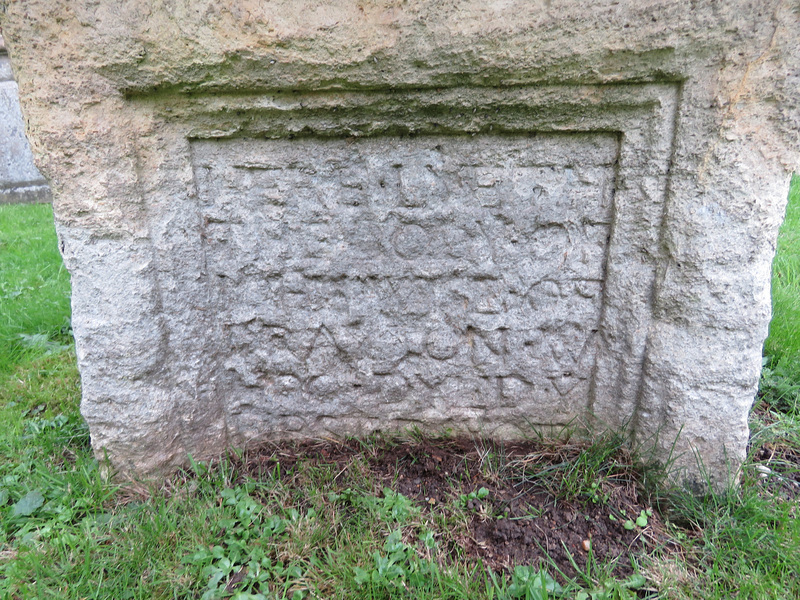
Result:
169,369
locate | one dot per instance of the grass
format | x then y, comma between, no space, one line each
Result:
307,529
34,286
781,378
783,344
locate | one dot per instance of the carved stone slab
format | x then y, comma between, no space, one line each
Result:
315,219
448,280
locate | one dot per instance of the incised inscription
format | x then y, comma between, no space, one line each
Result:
453,276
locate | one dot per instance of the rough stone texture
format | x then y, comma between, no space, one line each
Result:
314,218
20,181
457,280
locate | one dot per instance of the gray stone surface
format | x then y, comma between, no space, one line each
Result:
331,218
453,281
20,181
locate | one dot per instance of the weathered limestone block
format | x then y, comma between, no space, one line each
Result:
305,219
20,181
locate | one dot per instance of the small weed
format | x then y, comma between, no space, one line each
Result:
596,493
529,584
393,507
779,388
473,499
641,521
240,566
614,590
630,523
397,507
397,567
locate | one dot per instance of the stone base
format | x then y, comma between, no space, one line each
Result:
34,194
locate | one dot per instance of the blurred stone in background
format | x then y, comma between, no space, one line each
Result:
20,180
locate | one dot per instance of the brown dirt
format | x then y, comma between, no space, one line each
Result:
520,521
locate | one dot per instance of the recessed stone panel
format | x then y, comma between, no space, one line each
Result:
443,277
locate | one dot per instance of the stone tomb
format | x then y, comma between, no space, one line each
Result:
334,220
20,181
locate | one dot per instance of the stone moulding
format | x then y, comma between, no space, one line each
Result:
230,331
359,217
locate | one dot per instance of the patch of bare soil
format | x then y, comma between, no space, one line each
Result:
525,516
